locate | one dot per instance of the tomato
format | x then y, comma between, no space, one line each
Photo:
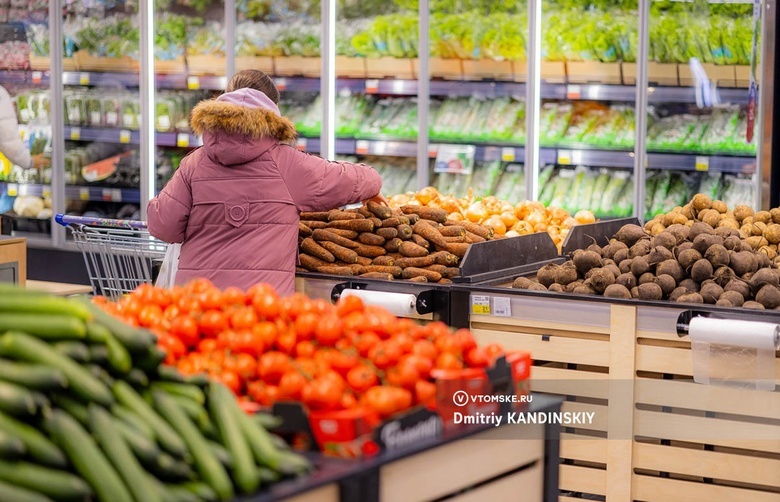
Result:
447,343
386,401
261,289
266,332
329,330
150,316
99,300
465,340
144,292
272,394
307,367
425,348
437,329
291,385
322,394
247,342
403,375
405,342
272,365
476,358
257,391
448,361
354,322
161,297
385,354
266,305
305,349
379,321
365,342
188,303
212,322
422,364
361,377
243,318
306,324
207,346
211,299
199,285
349,304
348,401
130,306
493,351
425,393
233,296
286,342
231,380
173,348
186,366
341,362
171,312
291,306
185,328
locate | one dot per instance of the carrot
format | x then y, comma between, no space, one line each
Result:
474,237
325,235
311,263
458,248
360,225
371,239
377,222
396,256
387,233
430,275
484,232
428,213
344,254
365,213
436,268
337,214
445,258
419,278
300,269
304,230
405,232
379,210
334,270
313,224
451,272
410,249
419,262
394,245
309,246
395,221
314,216
456,231
420,241
394,271
377,275
457,239
444,280
384,261
347,234
356,268
413,218
430,233
362,260
370,251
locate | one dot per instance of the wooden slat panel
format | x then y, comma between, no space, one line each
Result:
681,394
712,431
454,466
574,447
669,336
549,325
708,464
599,419
529,482
651,489
327,493
569,382
558,348
582,479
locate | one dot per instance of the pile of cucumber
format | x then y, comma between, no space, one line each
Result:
89,413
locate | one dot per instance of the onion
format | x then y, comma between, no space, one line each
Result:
496,224
509,218
512,233
585,217
559,214
570,222
455,217
523,227
476,212
426,195
535,218
540,227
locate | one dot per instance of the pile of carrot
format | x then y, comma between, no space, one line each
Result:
415,243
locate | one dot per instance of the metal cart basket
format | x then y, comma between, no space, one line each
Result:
120,254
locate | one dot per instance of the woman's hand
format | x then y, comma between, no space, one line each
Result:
378,199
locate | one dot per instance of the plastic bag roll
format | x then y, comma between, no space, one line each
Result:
399,304
756,335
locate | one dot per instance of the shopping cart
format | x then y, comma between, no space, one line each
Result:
119,254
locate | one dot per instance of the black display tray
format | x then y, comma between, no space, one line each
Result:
12,222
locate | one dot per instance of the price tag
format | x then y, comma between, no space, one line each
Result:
124,136
83,78
507,154
116,195
502,306
480,305
84,193
372,86
281,83
75,133
193,82
573,92
301,144
13,190
564,157
458,159
106,194
46,192
182,140
37,76
702,163
361,147
433,149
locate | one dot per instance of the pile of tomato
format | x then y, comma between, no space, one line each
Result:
330,357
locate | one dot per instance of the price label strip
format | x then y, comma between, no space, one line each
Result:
84,79
361,147
183,140
301,144
507,154
702,163
193,83
456,159
480,305
372,86
502,306
124,136
75,133
84,193
13,190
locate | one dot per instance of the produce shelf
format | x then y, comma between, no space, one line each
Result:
95,194
111,79
129,136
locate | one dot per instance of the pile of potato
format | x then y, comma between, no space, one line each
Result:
759,229
684,263
503,217
414,242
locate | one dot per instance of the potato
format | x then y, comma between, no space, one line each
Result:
701,202
741,212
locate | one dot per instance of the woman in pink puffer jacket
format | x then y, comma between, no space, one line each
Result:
234,203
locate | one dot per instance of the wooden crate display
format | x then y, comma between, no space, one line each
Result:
481,69
349,67
584,72
292,66
743,75
88,62
170,67
43,63
722,75
553,72
207,64
657,74
390,68
262,63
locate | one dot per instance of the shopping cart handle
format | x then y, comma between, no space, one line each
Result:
66,219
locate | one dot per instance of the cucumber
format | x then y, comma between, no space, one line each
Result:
43,305
260,442
170,374
118,356
267,421
39,448
144,449
16,494
137,378
119,454
164,433
181,494
101,374
136,341
206,463
200,379
280,443
32,376
98,354
54,483
80,382
131,419
151,359
77,351
200,490
97,333
268,476
224,410
184,390
16,400
45,326
168,468
221,453
196,412
11,447
87,458
74,408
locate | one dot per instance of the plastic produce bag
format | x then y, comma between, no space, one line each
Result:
170,265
